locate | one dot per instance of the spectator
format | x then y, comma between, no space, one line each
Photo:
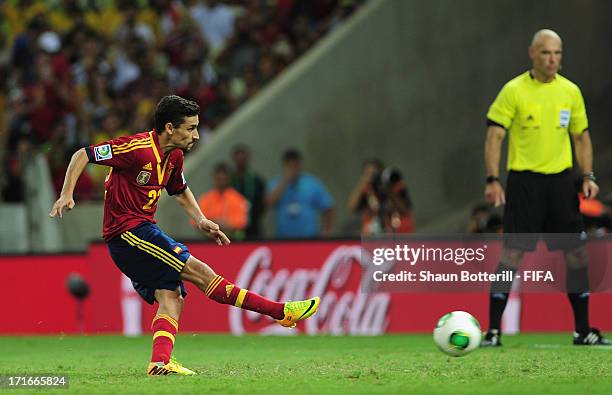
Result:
382,198
396,203
224,205
58,157
25,48
366,198
251,185
242,50
14,188
299,199
479,218
73,63
170,13
215,21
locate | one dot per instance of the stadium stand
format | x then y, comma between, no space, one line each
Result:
78,72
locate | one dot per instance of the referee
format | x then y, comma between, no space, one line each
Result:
541,110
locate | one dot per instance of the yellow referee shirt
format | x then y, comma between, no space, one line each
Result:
538,117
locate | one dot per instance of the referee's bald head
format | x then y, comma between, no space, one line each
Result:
542,35
546,51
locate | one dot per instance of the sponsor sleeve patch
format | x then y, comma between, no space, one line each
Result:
103,152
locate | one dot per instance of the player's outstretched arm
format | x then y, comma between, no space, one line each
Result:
188,202
75,169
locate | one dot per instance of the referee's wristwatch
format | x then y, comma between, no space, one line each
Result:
492,179
589,176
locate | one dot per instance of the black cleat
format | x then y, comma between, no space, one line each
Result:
492,339
593,338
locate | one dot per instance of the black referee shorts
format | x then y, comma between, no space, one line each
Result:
542,203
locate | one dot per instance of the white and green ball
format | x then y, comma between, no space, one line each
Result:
457,333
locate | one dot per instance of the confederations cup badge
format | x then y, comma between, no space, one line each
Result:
143,177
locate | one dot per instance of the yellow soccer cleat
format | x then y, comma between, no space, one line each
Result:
298,311
172,367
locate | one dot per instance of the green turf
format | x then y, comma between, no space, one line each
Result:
527,364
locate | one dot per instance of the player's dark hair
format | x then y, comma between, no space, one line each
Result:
173,109
292,155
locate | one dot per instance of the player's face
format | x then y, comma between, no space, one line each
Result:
186,135
546,56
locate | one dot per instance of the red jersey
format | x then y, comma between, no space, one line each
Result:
139,171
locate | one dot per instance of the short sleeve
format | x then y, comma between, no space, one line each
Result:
578,118
113,153
177,183
503,109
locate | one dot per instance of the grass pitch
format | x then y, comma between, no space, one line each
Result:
527,364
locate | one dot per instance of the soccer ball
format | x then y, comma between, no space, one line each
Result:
457,333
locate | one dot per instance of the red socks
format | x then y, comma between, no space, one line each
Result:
222,291
164,329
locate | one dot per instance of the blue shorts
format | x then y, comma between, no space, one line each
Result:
150,258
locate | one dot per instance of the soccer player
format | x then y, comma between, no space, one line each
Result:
141,166
541,109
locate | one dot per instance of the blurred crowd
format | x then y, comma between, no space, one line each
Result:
302,204
77,72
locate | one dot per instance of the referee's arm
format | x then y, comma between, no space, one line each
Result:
584,156
494,192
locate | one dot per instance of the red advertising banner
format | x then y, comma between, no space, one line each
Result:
277,270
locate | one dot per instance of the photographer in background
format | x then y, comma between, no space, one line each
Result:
397,205
365,198
382,198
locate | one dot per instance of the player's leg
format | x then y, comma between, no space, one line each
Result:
577,282
565,225
153,262
500,290
498,298
165,323
165,328
524,215
223,291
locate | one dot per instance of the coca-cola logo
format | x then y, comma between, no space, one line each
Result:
343,310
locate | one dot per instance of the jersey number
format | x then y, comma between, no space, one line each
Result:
154,198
